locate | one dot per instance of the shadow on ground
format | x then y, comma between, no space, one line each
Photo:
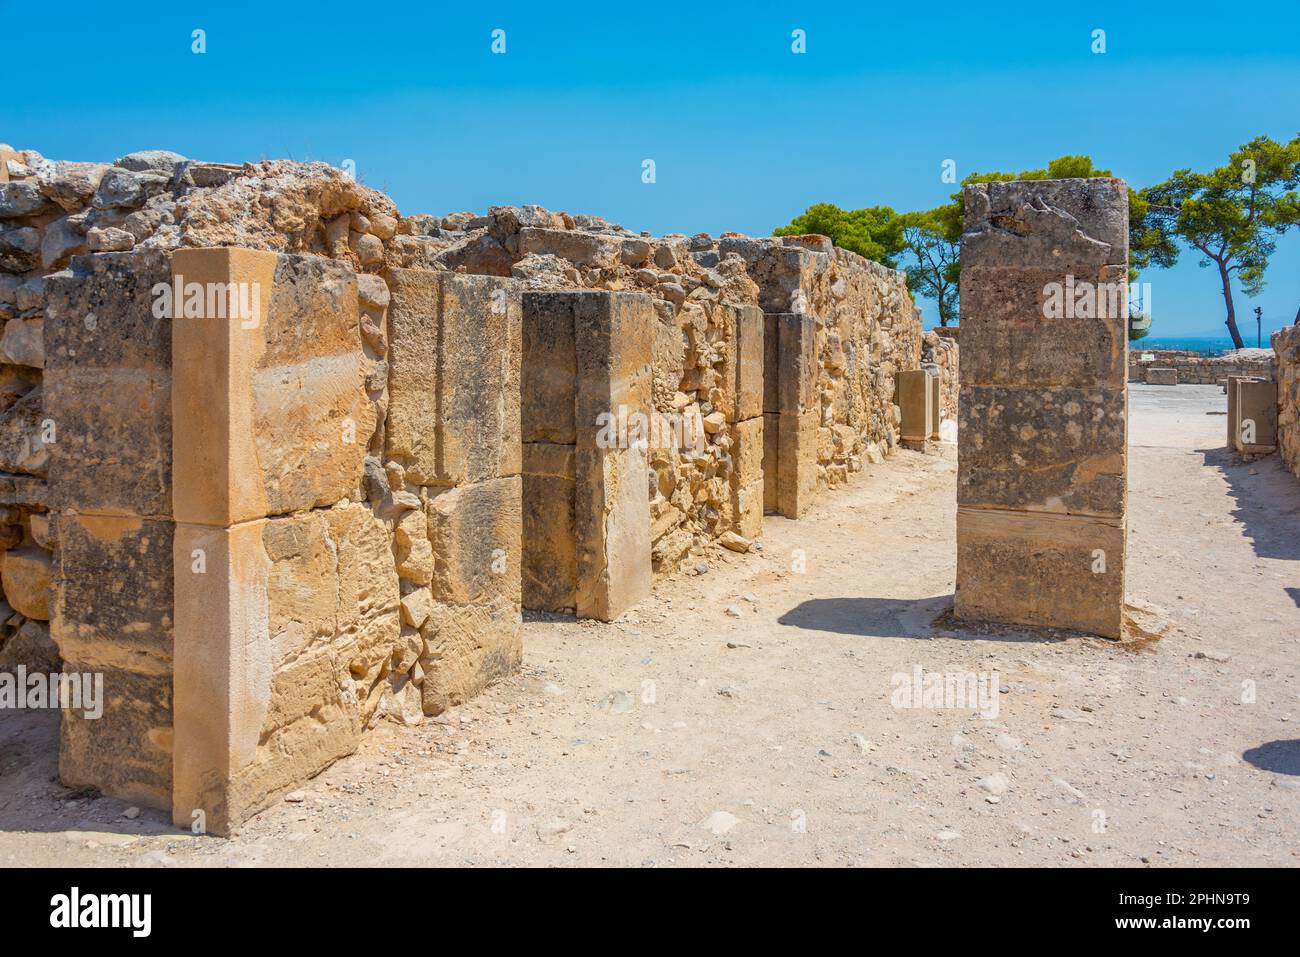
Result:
921,618
33,799
1280,757
1266,503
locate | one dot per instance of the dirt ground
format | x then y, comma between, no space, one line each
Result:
744,715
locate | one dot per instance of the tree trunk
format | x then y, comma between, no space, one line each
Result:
1231,321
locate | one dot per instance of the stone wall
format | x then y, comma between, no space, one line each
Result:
1286,346
939,351
865,330
1195,369
271,519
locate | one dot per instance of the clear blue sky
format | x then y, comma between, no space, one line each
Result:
744,133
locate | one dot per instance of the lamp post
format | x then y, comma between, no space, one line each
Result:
1259,319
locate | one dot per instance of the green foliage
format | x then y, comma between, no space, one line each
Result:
875,232
1232,215
933,268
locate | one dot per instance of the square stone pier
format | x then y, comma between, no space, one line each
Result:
1043,441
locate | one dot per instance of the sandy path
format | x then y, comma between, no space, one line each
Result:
618,742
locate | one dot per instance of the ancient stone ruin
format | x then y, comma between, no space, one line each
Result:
1286,345
280,462
1043,439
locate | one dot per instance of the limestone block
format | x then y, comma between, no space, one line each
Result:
1006,339
580,248
285,403
550,563
107,385
796,462
1076,440
771,443
1069,223
797,362
612,509
936,401
5,156
916,394
127,751
1033,568
31,647
1234,421
548,381
614,333
23,435
746,479
280,641
1157,375
469,647
771,363
454,354
742,369
612,515
113,615
1256,410
477,544
26,574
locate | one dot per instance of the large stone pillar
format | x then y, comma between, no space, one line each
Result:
585,384
791,412
1042,446
107,392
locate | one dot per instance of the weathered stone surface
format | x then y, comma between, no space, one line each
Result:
1042,464
107,385
548,382
469,647
1286,347
796,373
23,342
747,487
796,469
113,615
742,369
477,544
1012,342
23,435
611,512
287,404
1159,376
550,564
1032,568
771,443
916,395
454,376
31,647
22,198
26,575
1053,450
1256,416
1066,223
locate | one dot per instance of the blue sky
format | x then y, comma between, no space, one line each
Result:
744,133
